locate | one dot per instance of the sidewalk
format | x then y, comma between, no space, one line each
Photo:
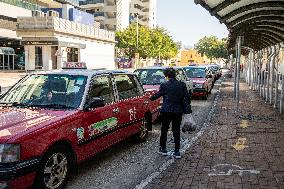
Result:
9,79
237,150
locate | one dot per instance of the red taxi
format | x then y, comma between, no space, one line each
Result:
50,121
202,80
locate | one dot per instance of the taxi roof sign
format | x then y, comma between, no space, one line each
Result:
74,65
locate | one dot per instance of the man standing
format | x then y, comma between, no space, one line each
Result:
176,101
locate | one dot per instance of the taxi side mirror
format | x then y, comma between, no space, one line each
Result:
95,103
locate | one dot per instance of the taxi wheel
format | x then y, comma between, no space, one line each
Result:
143,133
54,169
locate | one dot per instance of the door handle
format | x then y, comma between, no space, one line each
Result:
116,110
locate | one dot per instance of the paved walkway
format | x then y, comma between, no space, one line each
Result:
237,150
8,79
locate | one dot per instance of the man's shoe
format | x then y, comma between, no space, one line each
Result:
163,152
177,155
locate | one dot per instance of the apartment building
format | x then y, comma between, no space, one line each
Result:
118,14
42,36
145,10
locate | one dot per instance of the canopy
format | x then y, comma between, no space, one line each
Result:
7,50
261,22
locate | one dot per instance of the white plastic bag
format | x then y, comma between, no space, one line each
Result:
188,123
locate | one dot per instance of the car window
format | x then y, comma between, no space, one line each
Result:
127,87
101,87
151,76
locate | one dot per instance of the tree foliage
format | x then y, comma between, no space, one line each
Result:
212,47
152,43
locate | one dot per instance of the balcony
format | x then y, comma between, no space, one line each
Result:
54,25
110,8
91,2
98,14
72,2
110,21
22,4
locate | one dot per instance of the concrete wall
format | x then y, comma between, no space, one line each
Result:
97,54
13,11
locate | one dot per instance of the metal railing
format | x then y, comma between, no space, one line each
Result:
22,4
64,26
268,83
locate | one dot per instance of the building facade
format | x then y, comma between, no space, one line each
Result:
146,12
111,14
47,36
118,14
191,56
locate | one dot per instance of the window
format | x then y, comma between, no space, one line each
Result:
38,58
127,87
72,54
151,76
101,87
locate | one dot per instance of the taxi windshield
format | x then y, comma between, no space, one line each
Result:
47,91
193,72
151,76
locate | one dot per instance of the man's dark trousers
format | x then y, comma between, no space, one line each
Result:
175,119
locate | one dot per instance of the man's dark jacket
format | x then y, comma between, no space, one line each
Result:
176,98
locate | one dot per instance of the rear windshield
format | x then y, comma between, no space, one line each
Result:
195,72
151,76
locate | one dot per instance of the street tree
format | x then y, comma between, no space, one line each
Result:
152,43
212,47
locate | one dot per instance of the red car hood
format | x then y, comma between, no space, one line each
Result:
198,80
14,121
151,87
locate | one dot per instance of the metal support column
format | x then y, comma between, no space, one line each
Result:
282,94
262,82
272,71
238,61
276,90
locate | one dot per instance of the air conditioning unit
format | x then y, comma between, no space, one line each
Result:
53,13
37,13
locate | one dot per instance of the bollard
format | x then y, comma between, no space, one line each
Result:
282,94
276,90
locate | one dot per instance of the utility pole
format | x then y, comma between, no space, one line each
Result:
137,43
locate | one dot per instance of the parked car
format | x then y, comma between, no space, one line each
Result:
152,77
202,80
50,121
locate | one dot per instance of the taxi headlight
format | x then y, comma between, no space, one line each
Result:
9,153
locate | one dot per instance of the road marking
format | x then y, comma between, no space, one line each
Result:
240,144
165,165
244,124
229,169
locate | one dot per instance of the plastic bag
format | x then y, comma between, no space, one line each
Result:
188,123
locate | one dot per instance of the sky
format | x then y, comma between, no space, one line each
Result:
188,22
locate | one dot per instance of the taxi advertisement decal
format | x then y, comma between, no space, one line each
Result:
102,126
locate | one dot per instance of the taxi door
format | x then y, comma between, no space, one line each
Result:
99,123
130,103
